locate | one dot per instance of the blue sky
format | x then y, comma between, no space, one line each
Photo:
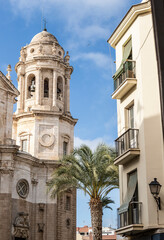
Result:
82,27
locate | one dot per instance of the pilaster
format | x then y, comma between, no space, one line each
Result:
68,94
54,88
21,89
38,86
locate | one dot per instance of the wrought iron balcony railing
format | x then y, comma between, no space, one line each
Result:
132,216
128,71
128,140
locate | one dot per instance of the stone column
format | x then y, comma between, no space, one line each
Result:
25,90
38,84
20,91
54,87
68,94
20,104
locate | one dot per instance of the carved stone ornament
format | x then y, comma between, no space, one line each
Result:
54,49
21,226
7,167
41,227
46,139
34,181
40,48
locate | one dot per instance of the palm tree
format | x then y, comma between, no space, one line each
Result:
94,173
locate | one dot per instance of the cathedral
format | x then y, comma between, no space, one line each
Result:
32,140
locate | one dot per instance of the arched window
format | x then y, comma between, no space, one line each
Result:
60,88
31,86
46,87
65,146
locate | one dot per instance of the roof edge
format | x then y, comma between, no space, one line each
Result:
128,19
9,83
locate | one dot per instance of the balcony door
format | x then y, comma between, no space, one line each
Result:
131,117
132,135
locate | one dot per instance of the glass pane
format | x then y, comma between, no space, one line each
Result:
64,148
131,116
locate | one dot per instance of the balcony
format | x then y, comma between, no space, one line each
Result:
127,147
125,80
130,222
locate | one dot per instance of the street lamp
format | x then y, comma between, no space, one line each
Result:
155,187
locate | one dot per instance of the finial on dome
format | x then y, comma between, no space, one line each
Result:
8,72
45,22
66,58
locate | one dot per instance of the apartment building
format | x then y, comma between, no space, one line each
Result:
139,145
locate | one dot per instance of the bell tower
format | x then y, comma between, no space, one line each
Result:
43,125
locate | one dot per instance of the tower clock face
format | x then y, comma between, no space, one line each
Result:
22,188
47,139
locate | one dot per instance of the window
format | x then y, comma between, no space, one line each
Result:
22,188
127,50
68,203
60,88
31,86
46,88
131,116
65,145
127,54
131,177
68,223
24,145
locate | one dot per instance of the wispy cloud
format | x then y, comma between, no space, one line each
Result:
91,143
100,59
86,22
86,19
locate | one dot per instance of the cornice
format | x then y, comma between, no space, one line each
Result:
127,21
69,119
8,148
27,158
45,58
13,90
34,113
33,161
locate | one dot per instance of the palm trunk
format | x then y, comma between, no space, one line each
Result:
96,218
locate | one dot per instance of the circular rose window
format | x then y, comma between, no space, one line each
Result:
22,188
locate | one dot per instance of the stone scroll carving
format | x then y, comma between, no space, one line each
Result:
21,226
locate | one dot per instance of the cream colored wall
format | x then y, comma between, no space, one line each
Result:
147,118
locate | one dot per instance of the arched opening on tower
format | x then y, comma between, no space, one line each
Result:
30,86
46,87
60,88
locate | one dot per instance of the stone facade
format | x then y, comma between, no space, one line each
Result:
43,130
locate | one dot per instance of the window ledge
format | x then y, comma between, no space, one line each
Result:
124,87
128,230
127,156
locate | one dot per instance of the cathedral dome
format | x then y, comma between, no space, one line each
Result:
44,36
